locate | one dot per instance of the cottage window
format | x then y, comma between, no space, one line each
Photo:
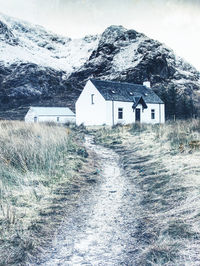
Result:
58,119
92,98
120,113
152,113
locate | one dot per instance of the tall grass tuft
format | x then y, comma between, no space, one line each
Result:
163,163
34,160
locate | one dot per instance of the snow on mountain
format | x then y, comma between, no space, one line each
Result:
127,58
34,44
43,68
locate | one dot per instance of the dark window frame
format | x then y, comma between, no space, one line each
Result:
153,114
92,98
120,113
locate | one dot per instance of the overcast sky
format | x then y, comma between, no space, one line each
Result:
174,22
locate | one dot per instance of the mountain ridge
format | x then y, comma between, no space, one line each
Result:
38,67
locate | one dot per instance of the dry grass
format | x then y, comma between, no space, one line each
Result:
163,161
35,161
40,169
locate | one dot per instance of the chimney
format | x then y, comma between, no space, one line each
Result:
147,84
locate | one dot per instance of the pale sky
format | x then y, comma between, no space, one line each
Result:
174,22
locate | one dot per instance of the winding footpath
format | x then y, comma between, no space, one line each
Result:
100,230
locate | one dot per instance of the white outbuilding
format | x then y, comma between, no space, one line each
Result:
60,115
108,103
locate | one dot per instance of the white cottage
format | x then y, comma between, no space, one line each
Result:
50,114
110,103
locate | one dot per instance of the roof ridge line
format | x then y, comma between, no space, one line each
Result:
119,82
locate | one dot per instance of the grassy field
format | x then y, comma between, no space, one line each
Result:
163,161
44,167
41,166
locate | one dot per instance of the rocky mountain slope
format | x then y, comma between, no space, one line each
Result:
41,68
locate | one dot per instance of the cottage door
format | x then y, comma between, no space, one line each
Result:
137,115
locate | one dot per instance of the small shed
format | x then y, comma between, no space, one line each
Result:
60,115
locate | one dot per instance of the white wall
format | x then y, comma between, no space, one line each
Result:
29,118
101,112
88,113
62,119
129,114
162,108
159,114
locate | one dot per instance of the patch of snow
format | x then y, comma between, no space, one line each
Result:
127,58
25,90
65,58
186,73
45,49
180,81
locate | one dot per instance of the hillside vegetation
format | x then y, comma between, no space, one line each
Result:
162,161
40,169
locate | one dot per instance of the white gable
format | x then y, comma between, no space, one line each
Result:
90,106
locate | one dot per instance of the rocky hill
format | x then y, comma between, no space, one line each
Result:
41,68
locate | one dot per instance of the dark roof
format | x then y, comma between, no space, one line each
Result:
125,92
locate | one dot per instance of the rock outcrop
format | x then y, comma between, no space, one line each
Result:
40,68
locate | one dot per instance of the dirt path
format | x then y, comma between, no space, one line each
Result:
100,230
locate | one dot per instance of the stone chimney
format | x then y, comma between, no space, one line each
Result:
147,84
